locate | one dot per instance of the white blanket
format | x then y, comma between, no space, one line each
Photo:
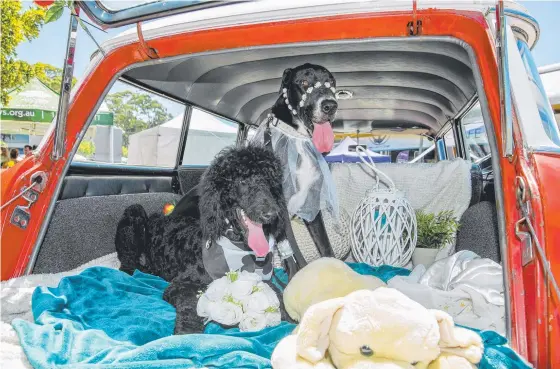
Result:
15,302
465,286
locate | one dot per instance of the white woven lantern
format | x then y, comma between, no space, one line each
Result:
383,225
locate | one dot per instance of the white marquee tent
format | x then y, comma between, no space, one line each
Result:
158,146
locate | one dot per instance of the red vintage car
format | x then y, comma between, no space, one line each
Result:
459,78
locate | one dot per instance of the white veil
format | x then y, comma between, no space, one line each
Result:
316,192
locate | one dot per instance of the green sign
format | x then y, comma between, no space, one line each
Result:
103,119
28,115
45,116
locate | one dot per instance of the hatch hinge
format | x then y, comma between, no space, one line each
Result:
150,52
525,232
414,27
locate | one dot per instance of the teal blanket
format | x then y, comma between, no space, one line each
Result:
103,318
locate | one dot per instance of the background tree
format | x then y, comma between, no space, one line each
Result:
87,149
134,112
50,76
17,25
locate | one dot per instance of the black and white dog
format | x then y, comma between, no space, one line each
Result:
307,104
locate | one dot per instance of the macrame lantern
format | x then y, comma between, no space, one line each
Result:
383,224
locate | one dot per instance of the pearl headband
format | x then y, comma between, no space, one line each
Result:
304,96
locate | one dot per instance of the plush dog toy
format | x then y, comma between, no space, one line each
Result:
324,279
380,329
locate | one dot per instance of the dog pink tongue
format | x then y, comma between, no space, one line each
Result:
323,137
257,241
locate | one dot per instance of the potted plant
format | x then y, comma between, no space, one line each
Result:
435,231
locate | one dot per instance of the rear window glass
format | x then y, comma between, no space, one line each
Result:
475,134
384,148
208,134
543,104
133,127
450,146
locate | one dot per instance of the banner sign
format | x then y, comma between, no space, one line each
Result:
46,116
28,115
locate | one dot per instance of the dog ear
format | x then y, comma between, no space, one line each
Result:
212,214
285,79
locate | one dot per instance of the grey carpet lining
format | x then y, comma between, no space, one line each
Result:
83,229
479,231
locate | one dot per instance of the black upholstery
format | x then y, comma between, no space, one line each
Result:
476,184
87,186
189,177
478,231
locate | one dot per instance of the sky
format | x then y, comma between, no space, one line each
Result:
50,46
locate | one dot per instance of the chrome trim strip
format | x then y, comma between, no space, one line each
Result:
187,113
465,109
110,18
65,87
549,68
498,189
546,150
503,74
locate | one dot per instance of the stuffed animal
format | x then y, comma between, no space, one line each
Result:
380,329
324,279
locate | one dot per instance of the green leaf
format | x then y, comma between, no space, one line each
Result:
54,12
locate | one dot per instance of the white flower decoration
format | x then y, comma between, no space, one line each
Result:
226,313
218,289
252,322
257,302
248,276
241,289
273,319
240,298
204,306
270,295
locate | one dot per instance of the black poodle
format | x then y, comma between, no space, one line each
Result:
239,201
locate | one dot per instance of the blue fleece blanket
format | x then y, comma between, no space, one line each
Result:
103,318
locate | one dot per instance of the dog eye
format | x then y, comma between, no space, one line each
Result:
366,350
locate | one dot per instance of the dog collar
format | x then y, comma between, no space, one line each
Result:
304,96
286,128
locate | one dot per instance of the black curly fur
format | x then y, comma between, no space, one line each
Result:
248,178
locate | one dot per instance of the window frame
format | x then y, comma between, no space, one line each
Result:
89,167
241,127
466,145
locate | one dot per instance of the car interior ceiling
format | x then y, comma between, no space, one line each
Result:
415,83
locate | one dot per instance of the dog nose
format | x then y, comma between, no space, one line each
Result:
329,106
